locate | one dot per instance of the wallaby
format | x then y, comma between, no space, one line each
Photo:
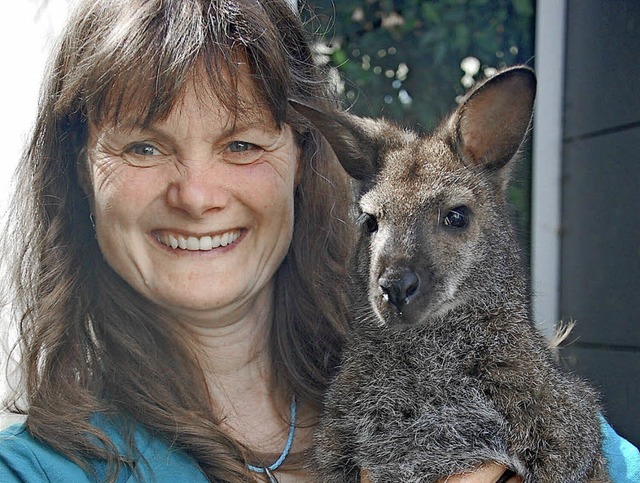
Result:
444,369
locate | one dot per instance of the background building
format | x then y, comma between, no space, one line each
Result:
586,192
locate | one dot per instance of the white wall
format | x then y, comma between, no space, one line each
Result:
27,31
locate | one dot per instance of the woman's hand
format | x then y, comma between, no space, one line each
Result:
489,473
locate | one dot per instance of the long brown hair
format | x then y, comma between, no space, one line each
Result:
89,343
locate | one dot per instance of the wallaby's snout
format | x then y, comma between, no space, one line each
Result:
398,286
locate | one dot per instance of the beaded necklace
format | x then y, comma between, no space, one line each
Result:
268,470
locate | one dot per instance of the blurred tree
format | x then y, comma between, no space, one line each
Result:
402,58
410,60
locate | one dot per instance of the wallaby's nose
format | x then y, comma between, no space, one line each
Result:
398,286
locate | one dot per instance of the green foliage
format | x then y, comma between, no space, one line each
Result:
401,59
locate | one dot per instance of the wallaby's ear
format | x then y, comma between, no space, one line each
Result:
491,123
354,140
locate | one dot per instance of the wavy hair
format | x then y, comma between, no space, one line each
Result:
89,343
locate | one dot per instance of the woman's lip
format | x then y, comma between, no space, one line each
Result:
193,242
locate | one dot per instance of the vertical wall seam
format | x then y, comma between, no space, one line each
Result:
546,189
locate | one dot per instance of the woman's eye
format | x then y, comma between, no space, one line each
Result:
144,149
241,146
457,217
243,152
143,155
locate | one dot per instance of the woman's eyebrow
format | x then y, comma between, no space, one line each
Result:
125,128
239,126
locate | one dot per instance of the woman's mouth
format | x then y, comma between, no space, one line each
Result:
194,243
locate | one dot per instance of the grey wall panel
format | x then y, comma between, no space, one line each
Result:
608,371
602,65
600,234
600,268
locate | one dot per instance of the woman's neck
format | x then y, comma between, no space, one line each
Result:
234,356
231,343
236,363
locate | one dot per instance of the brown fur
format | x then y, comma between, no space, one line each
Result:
445,369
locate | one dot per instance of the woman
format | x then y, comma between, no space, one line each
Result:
180,250
160,190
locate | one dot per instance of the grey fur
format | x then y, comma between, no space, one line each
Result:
443,376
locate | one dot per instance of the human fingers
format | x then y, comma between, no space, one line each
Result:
489,473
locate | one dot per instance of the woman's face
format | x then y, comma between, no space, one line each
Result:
196,212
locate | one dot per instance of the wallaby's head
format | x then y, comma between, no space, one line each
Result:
435,230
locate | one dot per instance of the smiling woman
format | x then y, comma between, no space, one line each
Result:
179,245
197,177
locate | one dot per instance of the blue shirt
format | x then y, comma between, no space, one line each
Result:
623,458
24,459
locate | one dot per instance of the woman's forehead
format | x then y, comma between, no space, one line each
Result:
234,98
200,97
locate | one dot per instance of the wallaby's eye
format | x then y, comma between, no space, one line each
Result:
457,217
369,222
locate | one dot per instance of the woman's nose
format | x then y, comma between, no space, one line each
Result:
197,190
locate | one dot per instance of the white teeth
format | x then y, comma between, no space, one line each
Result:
216,241
205,243
193,243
